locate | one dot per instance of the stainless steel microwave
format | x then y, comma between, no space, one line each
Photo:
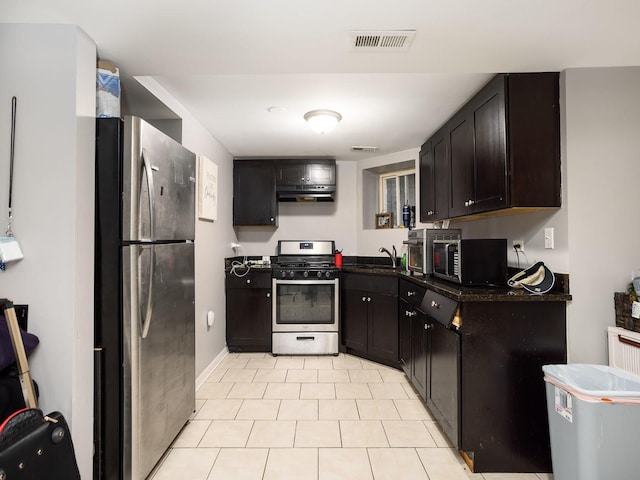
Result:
478,261
420,247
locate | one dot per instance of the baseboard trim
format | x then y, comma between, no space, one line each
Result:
211,367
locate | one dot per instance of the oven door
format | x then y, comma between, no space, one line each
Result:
305,305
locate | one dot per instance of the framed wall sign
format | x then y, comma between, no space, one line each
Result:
207,189
384,220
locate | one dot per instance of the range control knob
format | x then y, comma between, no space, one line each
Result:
328,274
305,274
319,274
291,274
283,274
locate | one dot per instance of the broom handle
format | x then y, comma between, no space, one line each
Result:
26,382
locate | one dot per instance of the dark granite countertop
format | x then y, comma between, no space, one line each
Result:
382,266
462,293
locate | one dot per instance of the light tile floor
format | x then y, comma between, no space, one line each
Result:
261,417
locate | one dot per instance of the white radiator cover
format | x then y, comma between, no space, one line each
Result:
624,349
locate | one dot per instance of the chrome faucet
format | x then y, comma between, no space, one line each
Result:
392,255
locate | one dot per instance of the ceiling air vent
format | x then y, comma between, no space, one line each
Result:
361,148
382,40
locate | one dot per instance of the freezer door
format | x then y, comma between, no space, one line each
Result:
159,351
159,185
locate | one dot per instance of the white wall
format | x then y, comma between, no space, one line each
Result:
370,240
603,156
213,239
596,232
51,71
314,221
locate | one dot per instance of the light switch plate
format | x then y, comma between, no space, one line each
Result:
548,238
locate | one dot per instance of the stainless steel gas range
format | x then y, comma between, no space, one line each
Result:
306,291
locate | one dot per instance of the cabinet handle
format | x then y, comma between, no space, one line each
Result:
431,212
368,299
434,304
302,179
364,299
272,219
410,314
268,295
248,280
410,294
427,326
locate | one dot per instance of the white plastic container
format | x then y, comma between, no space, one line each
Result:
594,422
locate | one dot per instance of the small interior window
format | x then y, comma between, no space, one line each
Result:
397,189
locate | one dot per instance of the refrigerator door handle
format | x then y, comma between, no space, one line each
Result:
144,327
152,217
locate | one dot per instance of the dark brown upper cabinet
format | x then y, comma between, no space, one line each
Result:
435,177
254,193
309,172
503,148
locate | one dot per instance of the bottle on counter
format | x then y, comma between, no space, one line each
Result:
403,257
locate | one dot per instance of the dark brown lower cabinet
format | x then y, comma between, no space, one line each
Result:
413,346
443,378
503,422
483,381
248,303
369,322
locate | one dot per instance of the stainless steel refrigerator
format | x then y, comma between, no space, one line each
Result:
144,296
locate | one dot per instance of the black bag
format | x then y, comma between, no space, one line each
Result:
34,446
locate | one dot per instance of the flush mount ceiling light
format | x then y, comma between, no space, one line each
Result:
322,121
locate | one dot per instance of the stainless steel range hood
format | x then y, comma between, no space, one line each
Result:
306,193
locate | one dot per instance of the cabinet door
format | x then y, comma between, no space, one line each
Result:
490,148
383,326
419,349
291,172
435,178
462,165
354,319
321,173
405,318
427,183
443,387
442,175
249,319
254,193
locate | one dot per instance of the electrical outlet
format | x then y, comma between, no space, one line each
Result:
518,245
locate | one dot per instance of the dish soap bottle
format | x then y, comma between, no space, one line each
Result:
403,259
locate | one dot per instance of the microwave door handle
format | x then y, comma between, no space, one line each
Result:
447,247
450,268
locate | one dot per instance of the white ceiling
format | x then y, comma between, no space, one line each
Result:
228,61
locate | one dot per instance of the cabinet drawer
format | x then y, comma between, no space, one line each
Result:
439,307
370,283
411,293
250,280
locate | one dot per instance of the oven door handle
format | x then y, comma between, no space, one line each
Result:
305,282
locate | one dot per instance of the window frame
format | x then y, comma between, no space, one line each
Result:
382,192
